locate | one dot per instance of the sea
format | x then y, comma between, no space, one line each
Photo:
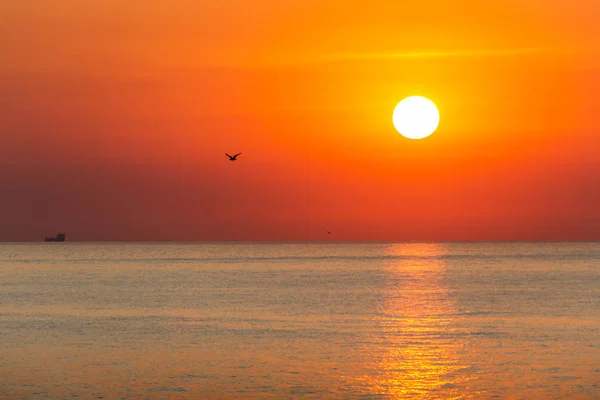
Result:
509,320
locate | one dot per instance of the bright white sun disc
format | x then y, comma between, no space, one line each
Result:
416,117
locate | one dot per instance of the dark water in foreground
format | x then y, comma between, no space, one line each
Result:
369,321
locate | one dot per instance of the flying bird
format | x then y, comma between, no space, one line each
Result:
234,157
329,232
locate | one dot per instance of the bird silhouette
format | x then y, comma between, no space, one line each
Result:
329,232
234,157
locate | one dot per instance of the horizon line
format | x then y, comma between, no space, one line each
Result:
314,241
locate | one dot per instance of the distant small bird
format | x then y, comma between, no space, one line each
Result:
329,232
234,157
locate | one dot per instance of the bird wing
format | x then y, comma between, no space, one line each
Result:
227,155
236,155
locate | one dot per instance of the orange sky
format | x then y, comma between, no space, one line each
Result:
115,117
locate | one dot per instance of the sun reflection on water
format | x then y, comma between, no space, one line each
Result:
417,351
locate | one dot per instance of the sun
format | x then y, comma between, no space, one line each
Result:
416,117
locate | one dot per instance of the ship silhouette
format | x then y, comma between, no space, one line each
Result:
60,237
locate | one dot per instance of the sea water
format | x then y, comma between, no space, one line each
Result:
324,321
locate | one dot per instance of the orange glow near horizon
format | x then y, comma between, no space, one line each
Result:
133,107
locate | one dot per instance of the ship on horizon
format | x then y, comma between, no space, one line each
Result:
60,237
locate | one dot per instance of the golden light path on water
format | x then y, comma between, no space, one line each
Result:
417,352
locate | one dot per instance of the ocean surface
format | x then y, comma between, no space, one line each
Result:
285,321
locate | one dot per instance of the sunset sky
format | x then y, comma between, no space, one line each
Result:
115,117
